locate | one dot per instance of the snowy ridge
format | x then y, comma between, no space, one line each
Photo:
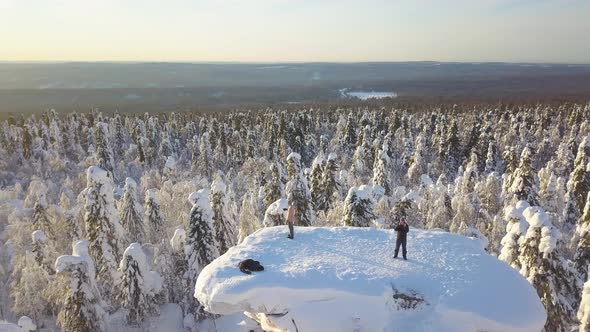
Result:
337,279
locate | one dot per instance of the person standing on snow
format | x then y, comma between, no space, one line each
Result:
402,230
291,217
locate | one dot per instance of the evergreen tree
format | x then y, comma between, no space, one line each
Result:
275,214
103,229
584,310
131,213
274,188
516,228
82,310
579,182
224,220
330,183
139,286
315,183
153,220
358,207
248,220
40,216
493,162
381,171
298,192
547,271
177,268
582,237
201,247
524,182
104,152
205,154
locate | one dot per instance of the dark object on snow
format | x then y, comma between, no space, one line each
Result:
402,238
249,265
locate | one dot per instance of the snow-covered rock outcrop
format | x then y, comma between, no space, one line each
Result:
345,279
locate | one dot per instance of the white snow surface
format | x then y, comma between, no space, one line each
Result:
9,327
343,279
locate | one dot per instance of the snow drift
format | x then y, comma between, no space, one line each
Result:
345,279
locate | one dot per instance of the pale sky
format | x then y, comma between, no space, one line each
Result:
295,30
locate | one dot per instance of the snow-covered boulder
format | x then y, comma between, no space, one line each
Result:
345,279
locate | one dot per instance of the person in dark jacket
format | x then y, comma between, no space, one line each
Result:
402,230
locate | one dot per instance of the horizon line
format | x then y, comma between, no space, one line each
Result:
284,62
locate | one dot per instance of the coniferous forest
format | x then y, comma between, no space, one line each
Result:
114,215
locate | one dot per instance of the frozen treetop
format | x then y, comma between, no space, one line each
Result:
199,197
367,192
152,280
79,256
26,324
38,236
425,180
549,237
151,193
178,239
96,174
294,156
218,186
170,163
319,160
129,182
515,212
536,217
332,156
277,207
344,279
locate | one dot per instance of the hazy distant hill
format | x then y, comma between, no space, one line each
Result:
162,86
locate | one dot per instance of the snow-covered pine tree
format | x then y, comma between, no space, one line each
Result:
224,220
493,162
524,183
138,286
584,310
131,212
544,267
316,187
418,163
205,155
248,220
330,182
297,190
552,196
104,151
516,228
275,214
176,269
274,187
579,181
382,170
40,218
349,137
358,207
82,310
28,281
581,241
153,220
201,247
103,229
